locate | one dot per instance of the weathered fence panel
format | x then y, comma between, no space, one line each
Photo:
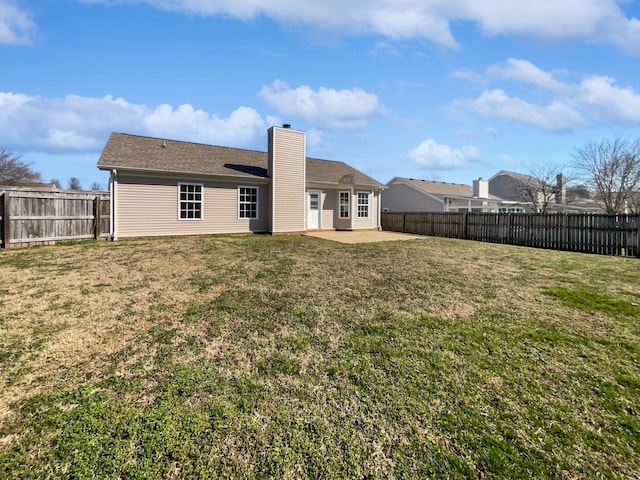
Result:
4,230
588,233
44,217
437,224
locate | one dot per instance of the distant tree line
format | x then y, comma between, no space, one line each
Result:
74,184
13,170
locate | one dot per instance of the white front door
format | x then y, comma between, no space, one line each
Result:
313,211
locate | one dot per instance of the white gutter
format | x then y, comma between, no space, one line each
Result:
183,174
380,210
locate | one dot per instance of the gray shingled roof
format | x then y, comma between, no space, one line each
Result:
132,152
443,189
439,188
520,177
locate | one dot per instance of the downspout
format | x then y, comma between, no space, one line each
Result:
379,210
353,213
114,209
373,196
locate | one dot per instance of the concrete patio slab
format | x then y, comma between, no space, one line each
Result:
363,236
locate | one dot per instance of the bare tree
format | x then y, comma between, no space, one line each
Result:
74,184
56,183
96,186
14,170
540,186
611,169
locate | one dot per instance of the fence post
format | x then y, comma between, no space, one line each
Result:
404,222
638,235
6,223
96,218
465,226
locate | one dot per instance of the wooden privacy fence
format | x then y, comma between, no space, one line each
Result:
45,217
575,232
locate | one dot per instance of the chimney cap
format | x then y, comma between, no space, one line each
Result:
286,125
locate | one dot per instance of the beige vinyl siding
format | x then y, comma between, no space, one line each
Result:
372,220
148,206
374,209
329,206
287,170
402,198
505,186
341,223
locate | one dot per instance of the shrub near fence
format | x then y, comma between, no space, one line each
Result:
588,233
44,217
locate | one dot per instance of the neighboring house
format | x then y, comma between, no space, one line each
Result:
633,203
507,185
578,205
164,187
518,187
416,195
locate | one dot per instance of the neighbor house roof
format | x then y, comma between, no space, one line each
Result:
440,189
520,177
132,152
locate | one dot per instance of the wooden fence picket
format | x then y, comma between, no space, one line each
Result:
589,233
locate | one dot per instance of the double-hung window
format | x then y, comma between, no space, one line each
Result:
247,202
190,201
363,204
344,204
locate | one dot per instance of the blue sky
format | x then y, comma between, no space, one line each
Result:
448,90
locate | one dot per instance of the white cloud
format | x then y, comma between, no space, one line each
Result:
469,75
315,141
16,26
609,102
339,109
241,128
430,154
526,72
554,116
75,123
589,21
595,99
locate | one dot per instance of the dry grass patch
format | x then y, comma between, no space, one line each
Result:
294,357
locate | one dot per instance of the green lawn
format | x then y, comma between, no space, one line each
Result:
294,357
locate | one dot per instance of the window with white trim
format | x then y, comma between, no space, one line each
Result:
247,202
190,201
344,204
363,205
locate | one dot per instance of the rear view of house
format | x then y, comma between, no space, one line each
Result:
162,187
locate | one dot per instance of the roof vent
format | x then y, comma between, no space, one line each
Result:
286,125
164,144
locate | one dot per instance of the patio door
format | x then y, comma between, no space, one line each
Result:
313,211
